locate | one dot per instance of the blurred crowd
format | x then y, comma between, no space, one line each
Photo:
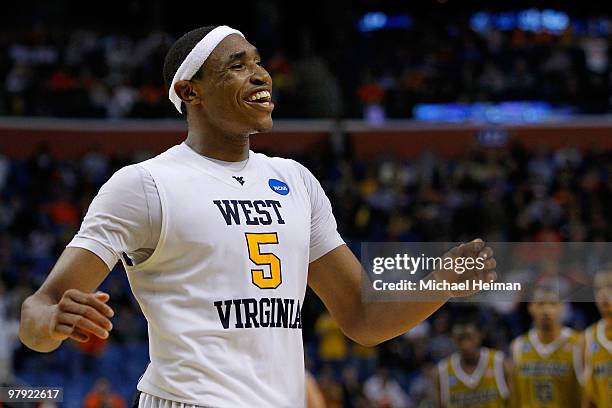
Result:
506,194
456,64
501,195
46,70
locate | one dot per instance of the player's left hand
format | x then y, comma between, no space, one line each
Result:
481,255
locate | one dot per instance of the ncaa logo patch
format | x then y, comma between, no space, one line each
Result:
278,186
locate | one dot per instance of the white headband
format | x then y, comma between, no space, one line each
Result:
196,57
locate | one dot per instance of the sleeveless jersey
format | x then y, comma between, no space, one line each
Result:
222,291
486,387
598,365
546,375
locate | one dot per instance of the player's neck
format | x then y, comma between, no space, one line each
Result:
549,334
469,362
218,146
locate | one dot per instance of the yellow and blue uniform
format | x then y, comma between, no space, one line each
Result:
598,365
486,387
546,375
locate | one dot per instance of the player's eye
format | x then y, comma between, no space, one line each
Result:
237,66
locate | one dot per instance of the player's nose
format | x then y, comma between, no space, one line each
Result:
261,76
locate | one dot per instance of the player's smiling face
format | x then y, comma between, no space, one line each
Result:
236,89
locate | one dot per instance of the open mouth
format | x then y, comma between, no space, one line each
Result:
262,99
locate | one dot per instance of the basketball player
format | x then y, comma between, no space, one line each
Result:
219,243
547,361
474,376
598,350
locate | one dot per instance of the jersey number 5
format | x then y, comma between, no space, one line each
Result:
254,240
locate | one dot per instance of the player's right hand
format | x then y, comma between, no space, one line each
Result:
78,315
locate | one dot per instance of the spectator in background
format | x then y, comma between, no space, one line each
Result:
330,388
383,391
89,356
365,358
371,95
102,396
423,387
9,331
62,211
284,80
333,344
95,165
352,389
440,343
100,72
4,170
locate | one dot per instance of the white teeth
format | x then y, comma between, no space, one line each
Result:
259,95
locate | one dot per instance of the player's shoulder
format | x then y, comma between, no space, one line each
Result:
499,356
518,347
520,344
589,334
173,155
493,352
592,327
125,188
573,336
129,176
444,363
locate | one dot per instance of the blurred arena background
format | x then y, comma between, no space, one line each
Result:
432,122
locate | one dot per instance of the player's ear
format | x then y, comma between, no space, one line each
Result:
188,92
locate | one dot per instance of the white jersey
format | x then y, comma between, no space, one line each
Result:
223,289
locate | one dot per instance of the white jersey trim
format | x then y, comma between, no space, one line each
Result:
545,350
588,340
150,401
500,378
517,347
578,363
470,380
601,336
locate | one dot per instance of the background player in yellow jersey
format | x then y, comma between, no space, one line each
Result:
598,351
547,363
474,376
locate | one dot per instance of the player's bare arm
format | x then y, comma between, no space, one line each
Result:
64,307
336,279
314,396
